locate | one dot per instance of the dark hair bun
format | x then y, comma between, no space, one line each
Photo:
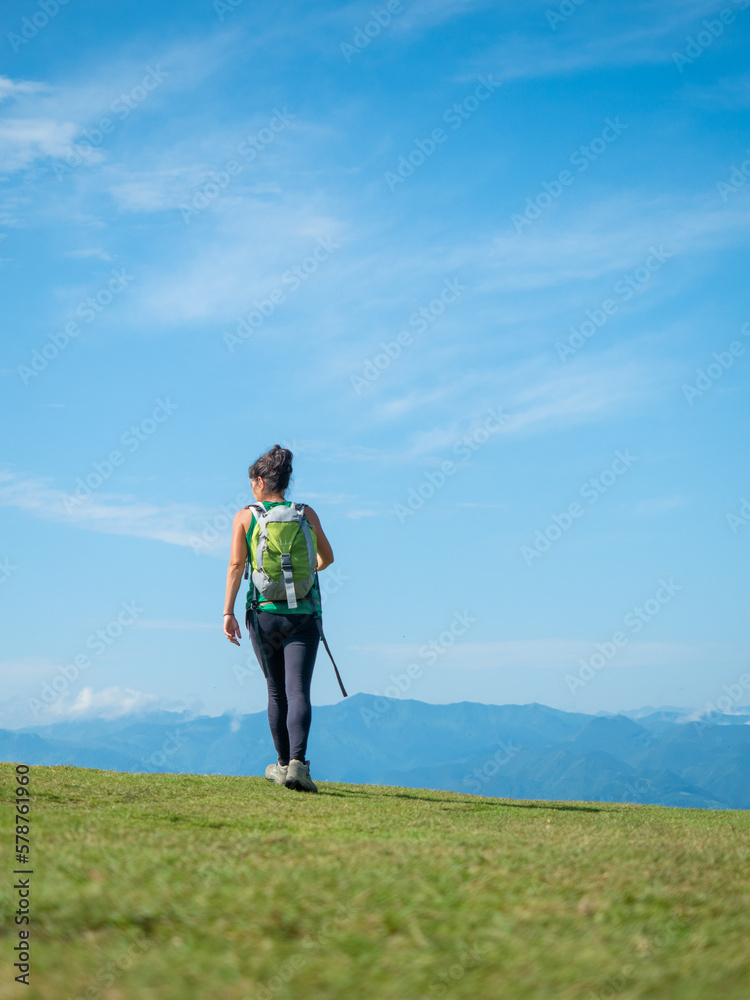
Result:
274,467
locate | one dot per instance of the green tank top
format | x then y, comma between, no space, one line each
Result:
305,606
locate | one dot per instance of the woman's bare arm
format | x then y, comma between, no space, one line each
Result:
325,552
237,557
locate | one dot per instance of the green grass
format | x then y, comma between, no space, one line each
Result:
185,886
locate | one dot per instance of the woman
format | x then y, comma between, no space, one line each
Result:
289,636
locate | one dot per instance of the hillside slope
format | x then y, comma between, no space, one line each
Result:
174,887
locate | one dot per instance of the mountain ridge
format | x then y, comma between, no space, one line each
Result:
506,751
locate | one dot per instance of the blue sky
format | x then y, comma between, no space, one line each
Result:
467,260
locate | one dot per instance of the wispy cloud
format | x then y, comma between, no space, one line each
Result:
221,275
487,506
112,514
731,94
567,398
45,120
88,252
154,190
25,140
109,703
16,88
609,235
624,35
422,15
658,505
534,397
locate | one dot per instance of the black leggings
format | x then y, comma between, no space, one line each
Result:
290,645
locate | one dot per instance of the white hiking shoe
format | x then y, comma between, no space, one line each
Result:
276,773
298,777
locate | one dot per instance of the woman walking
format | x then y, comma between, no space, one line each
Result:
285,638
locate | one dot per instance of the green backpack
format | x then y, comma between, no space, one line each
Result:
282,553
283,557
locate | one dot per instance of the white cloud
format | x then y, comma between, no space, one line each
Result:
613,35
575,397
155,190
222,274
608,236
529,285
398,406
18,88
112,514
109,703
421,15
535,398
25,140
53,116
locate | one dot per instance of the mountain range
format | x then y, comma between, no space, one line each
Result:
507,751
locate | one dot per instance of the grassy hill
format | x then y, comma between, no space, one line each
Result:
184,886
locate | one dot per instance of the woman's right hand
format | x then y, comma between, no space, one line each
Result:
232,629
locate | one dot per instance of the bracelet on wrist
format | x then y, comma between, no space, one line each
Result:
229,614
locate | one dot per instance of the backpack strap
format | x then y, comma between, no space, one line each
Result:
254,618
256,508
304,525
319,622
288,577
260,516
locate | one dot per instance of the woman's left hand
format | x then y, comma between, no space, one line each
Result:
232,629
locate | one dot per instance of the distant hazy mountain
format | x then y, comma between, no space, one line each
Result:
509,751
